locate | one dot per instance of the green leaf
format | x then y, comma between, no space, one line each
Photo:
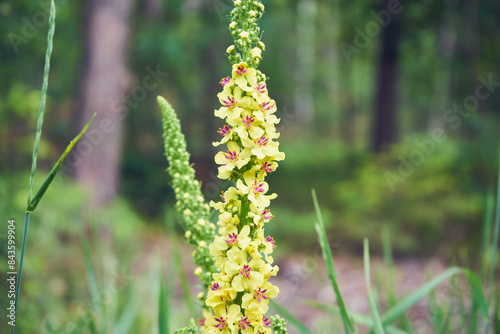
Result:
126,320
328,258
43,95
355,316
371,299
406,303
34,202
163,308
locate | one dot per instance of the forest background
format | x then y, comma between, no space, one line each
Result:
388,109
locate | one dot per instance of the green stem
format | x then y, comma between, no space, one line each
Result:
43,96
20,271
245,207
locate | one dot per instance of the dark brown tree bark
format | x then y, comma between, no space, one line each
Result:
104,83
385,121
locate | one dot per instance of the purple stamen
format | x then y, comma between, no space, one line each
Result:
230,103
266,214
224,81
233,239
222,323
267,167
271,240
245,271
259,295
258,188
260,88
248,121
262,141
224,131
244,322
241,70
231,155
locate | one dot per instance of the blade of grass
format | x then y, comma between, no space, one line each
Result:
356,317
410,300
496,313
185,286
126,320
291,319
91,278
41,110
377,323
328,258
486,239
34,202
496,229
163,308
43,95
389,286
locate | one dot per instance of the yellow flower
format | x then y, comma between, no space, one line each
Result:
256,191
220,293
224,320
259,298
248,125
245,77
235,157
245,277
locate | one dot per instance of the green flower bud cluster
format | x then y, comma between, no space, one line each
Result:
190,202
278,324
191,329
246,33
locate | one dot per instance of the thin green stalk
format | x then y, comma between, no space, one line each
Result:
328,258
41,110
45,83
20,271
485,242
377,322
495,234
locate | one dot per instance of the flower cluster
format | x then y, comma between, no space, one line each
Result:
190,202
246,33
240,292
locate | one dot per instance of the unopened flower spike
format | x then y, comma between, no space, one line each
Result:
190,202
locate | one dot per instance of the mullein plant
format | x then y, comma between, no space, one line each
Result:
190,202
239,291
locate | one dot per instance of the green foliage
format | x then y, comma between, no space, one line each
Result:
421,204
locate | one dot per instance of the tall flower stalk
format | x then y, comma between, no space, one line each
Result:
240,292
190,202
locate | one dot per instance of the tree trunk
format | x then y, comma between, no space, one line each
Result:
385,131
104,83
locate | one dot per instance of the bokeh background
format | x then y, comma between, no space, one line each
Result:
388,109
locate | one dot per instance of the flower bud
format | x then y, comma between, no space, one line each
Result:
230,49
198,271
256,53
244,35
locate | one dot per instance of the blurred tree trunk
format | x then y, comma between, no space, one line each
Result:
104,83
385,122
